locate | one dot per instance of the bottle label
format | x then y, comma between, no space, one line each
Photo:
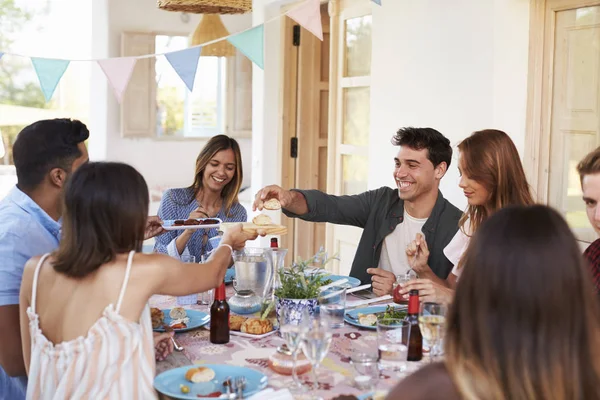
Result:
413,304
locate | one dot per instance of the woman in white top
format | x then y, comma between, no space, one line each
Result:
492,177
85,320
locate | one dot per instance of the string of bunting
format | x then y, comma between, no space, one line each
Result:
118,70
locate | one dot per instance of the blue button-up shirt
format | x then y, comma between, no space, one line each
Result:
25,231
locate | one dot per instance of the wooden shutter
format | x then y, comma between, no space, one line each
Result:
138,109
238,122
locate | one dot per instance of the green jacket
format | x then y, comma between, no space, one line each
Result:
378,212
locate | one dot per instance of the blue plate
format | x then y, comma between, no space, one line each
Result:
229,275
365,310
168,383
354,282
197,319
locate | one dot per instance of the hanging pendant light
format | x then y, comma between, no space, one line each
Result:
207,6
211,28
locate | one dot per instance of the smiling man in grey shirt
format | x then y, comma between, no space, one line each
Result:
391,218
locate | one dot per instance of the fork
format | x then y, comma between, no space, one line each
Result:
240,383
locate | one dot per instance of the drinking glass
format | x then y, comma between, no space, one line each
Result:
205,298
291,331
432,321
190,298
332,305
392,343
365,364
315,345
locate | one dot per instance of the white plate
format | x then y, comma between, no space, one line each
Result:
251,336
168,224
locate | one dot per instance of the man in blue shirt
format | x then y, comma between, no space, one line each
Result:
45,154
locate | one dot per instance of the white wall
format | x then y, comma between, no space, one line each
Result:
457,66
163,163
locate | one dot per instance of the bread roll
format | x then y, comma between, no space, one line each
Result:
256,326
177,313
262,219
236,321
157,317
200,374
272,204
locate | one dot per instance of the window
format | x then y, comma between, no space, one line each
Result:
158,104
181,113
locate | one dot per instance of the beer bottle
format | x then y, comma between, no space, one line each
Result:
415,339
219,317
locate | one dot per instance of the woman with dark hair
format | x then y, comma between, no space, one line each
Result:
85,320
524,323
492,177
213,194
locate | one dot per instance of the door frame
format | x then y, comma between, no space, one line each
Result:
540,91
289,93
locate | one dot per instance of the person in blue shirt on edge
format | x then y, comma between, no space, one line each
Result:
45,153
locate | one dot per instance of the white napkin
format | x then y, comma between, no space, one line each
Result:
271,394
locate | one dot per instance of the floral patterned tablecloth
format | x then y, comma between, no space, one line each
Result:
336,373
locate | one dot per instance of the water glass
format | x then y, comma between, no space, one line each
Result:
392,343
205,298
332,305
190,298
315,345
367,370
292,331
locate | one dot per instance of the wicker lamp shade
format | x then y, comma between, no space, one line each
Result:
207,6
211,28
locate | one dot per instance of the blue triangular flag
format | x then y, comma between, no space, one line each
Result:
378,2
49,72
251,43
185,63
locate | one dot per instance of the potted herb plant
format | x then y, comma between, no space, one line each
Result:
298,288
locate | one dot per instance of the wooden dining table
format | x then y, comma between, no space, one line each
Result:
336,373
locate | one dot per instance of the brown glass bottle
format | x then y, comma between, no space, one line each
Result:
219,317
415,339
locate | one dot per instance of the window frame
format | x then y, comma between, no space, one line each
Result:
228,100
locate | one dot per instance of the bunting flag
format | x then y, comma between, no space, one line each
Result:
251,43
118,72
378,2
308,15
49,72
185,63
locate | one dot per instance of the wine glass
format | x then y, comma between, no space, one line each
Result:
432,321
292,330
315,345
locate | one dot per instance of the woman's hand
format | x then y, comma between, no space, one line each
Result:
163,346
153,227
236,237
428,291
199,212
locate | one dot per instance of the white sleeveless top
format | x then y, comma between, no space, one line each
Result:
115,359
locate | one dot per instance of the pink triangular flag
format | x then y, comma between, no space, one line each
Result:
308,15
118,71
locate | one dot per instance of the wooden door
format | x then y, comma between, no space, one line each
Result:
349,116
572,63
306,104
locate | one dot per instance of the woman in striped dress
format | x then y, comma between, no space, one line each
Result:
85,320
214,193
